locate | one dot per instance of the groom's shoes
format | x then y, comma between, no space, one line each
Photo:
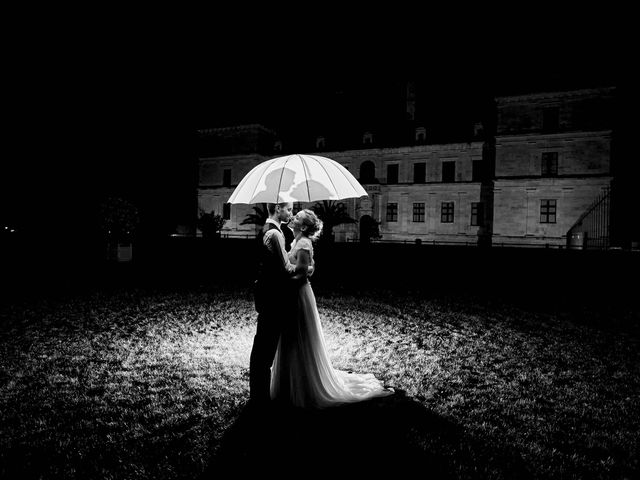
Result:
268,414
264,411
258,406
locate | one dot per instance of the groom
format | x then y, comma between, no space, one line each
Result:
276,301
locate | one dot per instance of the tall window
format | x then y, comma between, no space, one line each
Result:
392,173
477,213
226,177
547,211
550,119
448,171
549,164
392,212
367,172
446,212
418,212
419,172
477,171
226,211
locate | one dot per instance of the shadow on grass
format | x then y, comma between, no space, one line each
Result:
393,435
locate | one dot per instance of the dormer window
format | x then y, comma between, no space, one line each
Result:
411,110
421,135
367,138
320,142
478,130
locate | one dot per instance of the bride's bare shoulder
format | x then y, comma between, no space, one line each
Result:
305,243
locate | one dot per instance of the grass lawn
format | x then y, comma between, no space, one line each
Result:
152,384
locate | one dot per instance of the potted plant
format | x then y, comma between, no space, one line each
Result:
369,229
210,224
332,214
119,220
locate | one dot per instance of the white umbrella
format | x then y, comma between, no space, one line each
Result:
297,178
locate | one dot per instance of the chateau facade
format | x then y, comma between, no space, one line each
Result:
527,182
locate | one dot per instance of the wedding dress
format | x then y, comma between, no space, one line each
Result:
301,373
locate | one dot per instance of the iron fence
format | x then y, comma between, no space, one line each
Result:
592,230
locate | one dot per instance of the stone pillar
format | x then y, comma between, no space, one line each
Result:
404,210
432,211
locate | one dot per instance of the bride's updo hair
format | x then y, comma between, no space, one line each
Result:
313,223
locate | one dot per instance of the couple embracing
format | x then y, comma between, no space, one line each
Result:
289,362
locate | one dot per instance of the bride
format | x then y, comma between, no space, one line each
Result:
301,374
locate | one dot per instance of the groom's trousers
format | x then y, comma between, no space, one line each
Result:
272,320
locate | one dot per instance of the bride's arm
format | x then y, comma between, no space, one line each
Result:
302,265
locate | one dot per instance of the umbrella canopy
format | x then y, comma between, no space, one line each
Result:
297,178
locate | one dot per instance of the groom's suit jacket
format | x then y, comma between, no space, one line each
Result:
274,268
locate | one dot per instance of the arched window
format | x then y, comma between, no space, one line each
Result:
367,138
320,142
367,172
421,135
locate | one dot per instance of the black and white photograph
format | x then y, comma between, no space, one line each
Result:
320,249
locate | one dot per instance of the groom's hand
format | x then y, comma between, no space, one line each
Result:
298,280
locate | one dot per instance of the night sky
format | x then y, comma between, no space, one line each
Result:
122,119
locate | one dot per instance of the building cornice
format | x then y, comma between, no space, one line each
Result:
368,152
235,128
547,180
381,186
532,97
547,136
232,158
